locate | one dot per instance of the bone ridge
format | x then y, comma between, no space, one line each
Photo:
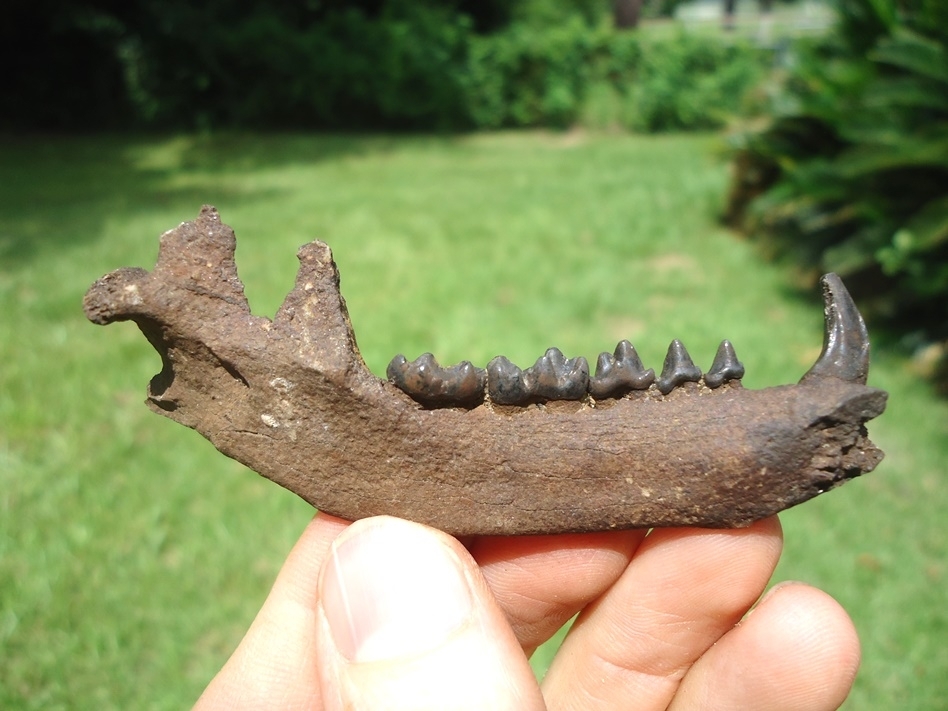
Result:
555,377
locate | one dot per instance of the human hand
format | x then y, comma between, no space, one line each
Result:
388,614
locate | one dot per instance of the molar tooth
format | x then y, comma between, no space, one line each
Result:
397,372
505,383
725,367
619,373
412,377
425,381
553,377
678,368
468,383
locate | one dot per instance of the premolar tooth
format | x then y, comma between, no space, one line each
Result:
553,377
678,369
619,373
505,383
425,381
725,367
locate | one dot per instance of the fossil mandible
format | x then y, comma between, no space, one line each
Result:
504,451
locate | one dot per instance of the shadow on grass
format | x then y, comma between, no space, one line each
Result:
60,190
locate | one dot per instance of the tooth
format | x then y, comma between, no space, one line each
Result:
678,368
845,352
505,383
468,383
553,377
619,373
725,367
397,372
413,378
425,381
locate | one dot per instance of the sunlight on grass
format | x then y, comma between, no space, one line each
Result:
133,556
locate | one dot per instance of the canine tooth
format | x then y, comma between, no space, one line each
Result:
725,367
553,377
845,352
505,383
619,373
678,368
425,381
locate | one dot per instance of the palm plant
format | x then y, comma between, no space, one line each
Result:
851,174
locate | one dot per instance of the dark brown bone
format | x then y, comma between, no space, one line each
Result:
292,399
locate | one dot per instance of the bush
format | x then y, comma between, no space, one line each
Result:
528,76
373,64
853,170
600,77
690,83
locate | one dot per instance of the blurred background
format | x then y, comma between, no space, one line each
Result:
493,177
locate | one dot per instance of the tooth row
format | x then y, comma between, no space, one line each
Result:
554,377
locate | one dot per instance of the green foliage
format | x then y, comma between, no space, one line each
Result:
690,83
526,76
343,68
383,64
605,78
856,163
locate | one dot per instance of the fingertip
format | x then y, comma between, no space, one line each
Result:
803,617
797,651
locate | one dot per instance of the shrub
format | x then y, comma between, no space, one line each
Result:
379,64
853,170
690,83
558,76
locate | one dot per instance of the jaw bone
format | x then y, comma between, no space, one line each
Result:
292,399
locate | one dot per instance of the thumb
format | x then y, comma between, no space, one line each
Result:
407,622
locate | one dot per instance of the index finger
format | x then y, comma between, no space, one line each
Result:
541,582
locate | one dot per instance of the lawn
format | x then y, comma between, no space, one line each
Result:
133,555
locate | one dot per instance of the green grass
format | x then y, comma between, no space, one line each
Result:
133,556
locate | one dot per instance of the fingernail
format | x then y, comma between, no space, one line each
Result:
392,589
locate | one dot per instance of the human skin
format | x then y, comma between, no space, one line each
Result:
388,614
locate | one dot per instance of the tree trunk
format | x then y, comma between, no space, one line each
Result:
626,13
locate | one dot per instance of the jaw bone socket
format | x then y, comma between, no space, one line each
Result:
425,381
678,369
726,366
620,373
